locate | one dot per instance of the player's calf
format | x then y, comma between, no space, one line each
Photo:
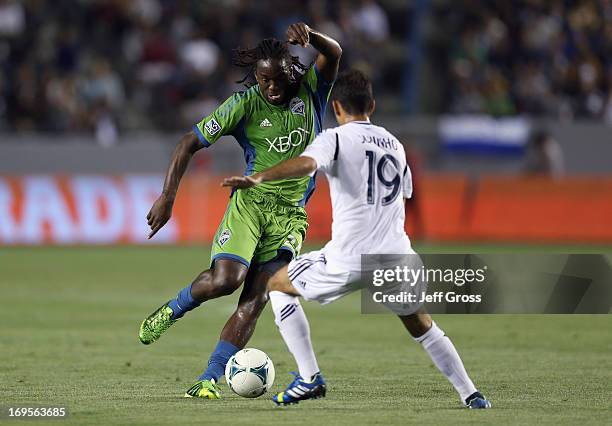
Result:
445,357
223,279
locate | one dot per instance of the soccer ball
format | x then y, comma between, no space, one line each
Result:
249,373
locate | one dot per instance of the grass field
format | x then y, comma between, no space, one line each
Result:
68,335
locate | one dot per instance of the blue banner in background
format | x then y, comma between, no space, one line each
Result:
484,134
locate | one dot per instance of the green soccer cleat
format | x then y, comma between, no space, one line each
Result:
155,324
206,389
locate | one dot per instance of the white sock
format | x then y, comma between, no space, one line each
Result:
293,326
444,355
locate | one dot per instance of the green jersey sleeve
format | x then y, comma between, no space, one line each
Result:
318,85
223,121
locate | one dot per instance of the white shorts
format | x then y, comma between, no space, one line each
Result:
314,280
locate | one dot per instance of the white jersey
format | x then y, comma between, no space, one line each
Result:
369,179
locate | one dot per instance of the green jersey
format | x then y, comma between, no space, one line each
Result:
270,134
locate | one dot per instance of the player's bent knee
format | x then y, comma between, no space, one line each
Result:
278,281
227,277
226,284
273,285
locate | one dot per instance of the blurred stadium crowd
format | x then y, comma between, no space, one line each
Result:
105,65
71,65
551,57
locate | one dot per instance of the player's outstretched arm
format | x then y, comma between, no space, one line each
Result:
295,167
161,211
329,49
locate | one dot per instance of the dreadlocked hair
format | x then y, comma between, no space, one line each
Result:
269,48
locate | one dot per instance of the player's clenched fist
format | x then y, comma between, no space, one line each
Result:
159,214
298,34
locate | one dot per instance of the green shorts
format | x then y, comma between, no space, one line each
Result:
256,227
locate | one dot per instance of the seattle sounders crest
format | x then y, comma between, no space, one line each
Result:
297,106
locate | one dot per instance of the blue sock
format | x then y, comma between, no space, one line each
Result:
216,363
183,303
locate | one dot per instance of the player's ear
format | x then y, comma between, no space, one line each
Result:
336,107
256,72
372,107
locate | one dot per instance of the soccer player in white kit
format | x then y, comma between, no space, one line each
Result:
369,179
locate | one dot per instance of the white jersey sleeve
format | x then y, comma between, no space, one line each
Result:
407,182
324,150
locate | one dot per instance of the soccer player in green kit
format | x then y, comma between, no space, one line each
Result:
264,227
